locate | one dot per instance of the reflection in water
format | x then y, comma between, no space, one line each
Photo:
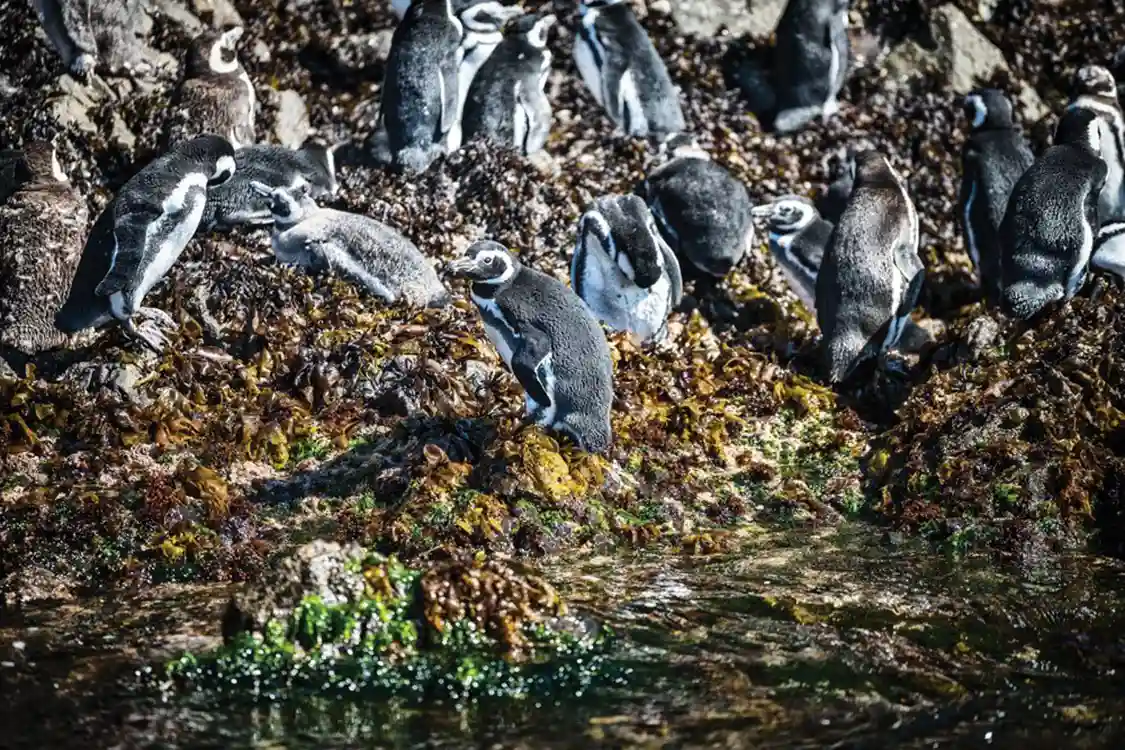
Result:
802,639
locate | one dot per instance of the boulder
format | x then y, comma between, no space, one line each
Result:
704,19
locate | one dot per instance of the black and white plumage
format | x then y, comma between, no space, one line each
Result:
106,34
419,96
1047,236
810,61
141,234
798,236
1109,248
995,156
841,177
309,170
216,95
370,253
550,341
1094,88
623,269
507,101
871,275
702,211
42,227
622,69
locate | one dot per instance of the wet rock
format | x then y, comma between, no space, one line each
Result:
292,125
753,17
980,335
917,335
31,585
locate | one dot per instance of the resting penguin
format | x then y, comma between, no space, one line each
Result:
216,95
419,105
549,340
1048,231
702,211
623,269
810,61
871,274
798,236
995,156
141,234
311,169
105,34
507,101
379,258
42,226
1095,89
623,71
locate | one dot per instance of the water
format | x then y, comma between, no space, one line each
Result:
803,639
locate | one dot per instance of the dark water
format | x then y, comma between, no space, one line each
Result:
801,640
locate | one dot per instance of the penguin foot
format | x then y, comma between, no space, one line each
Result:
150,332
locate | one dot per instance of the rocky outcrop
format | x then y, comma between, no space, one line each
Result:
739,17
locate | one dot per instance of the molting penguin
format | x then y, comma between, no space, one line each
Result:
702,211
483,27
419,104
1048,231
43,225
141,234
507,101
810,61
995,156
798,237
109,34
549,340
309,170
369,252
871,274
1095,89
216,95
623,71
623,269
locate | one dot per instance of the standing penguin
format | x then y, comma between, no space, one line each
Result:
703,211
810,62
1095,89
43,225
549,340
216,95
798,237
419,105
1047,236
141,234
995,156
623,70
507,100
369,252
624,270
871,274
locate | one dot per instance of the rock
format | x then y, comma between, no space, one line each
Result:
177,13
222,12
916,336
31,585
981,333
753,17
292,125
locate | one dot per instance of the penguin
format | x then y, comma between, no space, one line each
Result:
871,275
483,31
107,34
995,156
43,226
841,176
798,236
1109,248
216,95
623,71
419,104
1095,89
140,235
1047,235
810,61
507,100
311,170
549,340
703,212
379,258
623,269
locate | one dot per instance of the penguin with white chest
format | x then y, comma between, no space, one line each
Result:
622,69
798,236
43,226
507,101
376,256
810,61
995,156
623,269
140,235
702,211
1049,227
216,95
1094,88
871,274
420,94
549,340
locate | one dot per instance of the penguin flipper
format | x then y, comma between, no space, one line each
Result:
913,271
675,275
129,243
447,77
528,359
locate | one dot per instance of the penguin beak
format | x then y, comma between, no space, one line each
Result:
463,267
762,211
